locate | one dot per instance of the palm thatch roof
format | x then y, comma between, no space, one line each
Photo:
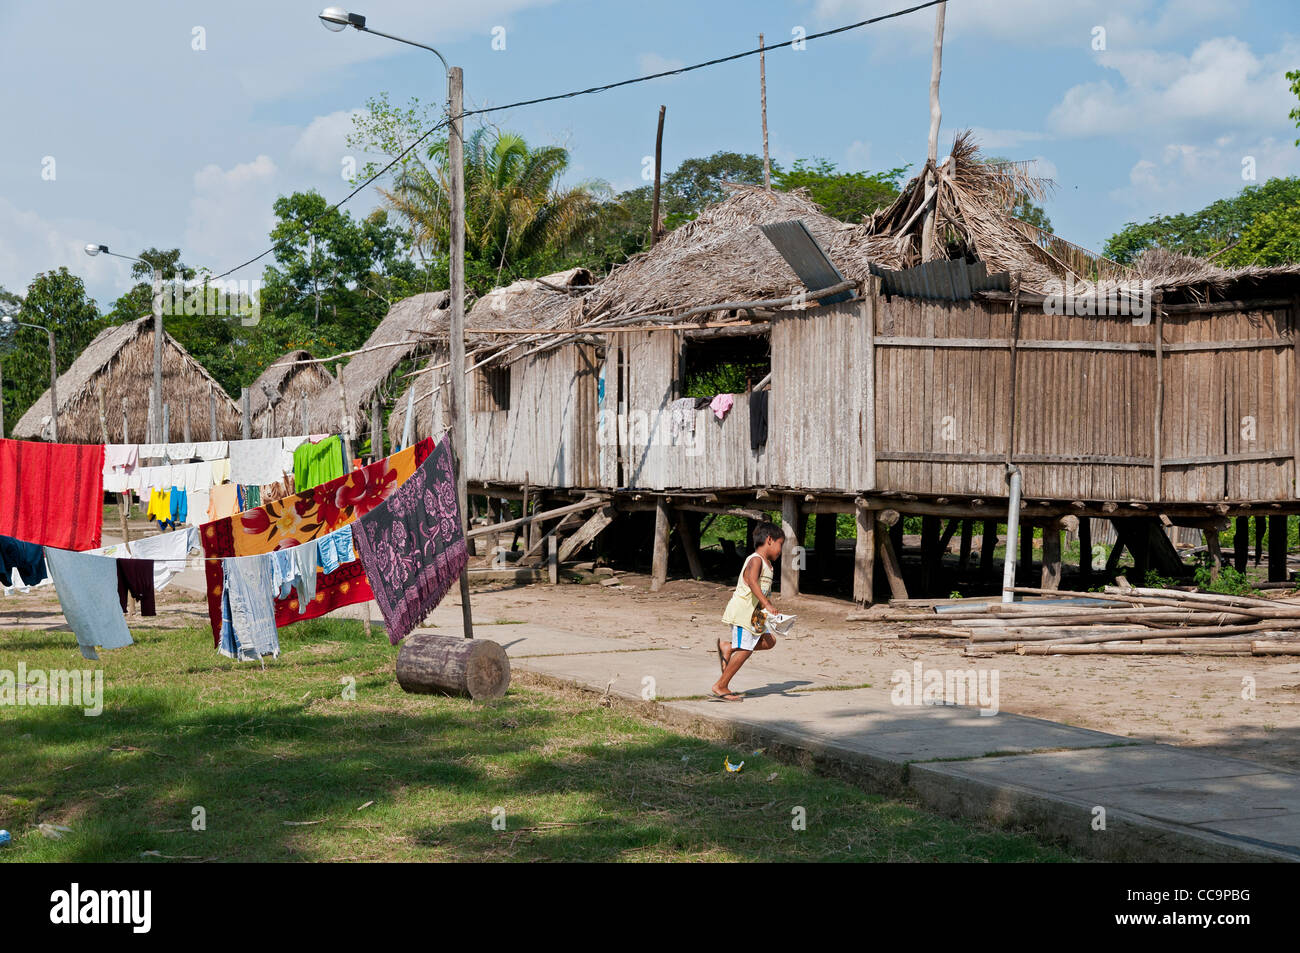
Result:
276,399
526,304
1201,279
407,332
120,360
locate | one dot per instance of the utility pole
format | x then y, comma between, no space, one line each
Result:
659,154
762,85
459,429
928,251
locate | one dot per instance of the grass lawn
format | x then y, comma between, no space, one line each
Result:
287,768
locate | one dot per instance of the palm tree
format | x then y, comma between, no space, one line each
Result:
515,208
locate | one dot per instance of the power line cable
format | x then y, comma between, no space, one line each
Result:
589,91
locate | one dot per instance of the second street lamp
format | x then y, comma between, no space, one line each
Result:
155,398
336,19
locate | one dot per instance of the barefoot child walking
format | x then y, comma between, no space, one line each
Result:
751,594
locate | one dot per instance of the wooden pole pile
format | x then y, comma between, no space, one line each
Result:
1118,621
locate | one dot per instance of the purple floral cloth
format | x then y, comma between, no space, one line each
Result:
412,546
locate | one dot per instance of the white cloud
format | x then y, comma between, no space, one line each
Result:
30,244
323,145
1185,176
1037,22
650,63
230,213
1222,86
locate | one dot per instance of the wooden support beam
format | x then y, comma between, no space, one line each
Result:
792,551
864,557
1214,552
967,537
889,560
659,560
688,545
1025,567
930,554
594,526
546,515
1277,531
988,549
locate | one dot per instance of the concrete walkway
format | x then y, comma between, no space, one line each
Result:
1107,796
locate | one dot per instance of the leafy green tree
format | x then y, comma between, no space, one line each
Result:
1273,239
1213,229
848,196
333,280
1294,77
698,183
519,221
56,300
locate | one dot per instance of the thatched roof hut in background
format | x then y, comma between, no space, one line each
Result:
528,303
120,360
277,398
406,332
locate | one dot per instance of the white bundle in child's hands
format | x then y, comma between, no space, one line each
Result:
778,623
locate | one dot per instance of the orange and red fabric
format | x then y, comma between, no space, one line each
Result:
305,517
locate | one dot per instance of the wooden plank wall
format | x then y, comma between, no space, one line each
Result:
817,419
535,440
716,455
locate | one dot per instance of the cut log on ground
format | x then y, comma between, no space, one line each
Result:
444,664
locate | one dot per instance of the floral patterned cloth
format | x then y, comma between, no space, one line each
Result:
412,545
302,518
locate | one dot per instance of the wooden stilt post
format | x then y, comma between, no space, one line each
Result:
967,538
1026,566
689,545
988,550
552,560
659,561
247,415
1241,544
824,544
1051,574
864,556
929,554
345,422
212,414
185,428
1213,551
376,431
792,552
1259,538
1277,571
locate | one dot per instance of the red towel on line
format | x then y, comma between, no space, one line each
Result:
52,494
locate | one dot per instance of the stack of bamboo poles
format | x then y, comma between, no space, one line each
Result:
1117,621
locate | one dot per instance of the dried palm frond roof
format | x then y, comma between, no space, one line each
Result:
973,202
722,256
121,358
286,385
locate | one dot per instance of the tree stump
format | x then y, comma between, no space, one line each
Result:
429,664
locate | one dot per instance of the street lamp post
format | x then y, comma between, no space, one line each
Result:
54,372
155,399
336,19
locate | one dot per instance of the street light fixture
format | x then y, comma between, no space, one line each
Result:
336,19
155,399
54,370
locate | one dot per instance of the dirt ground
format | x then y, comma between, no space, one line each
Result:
1194,702
1190,701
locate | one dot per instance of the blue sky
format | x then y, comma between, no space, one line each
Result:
155,142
